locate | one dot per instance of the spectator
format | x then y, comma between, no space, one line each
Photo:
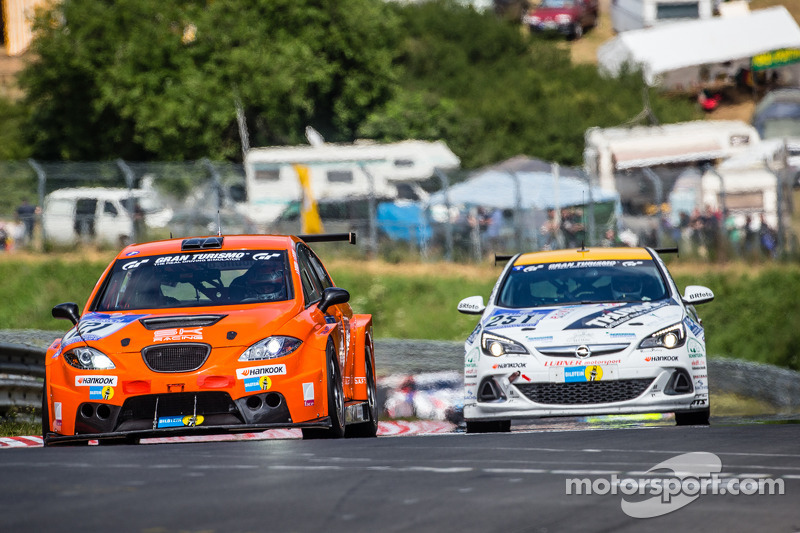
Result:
26,215
768,238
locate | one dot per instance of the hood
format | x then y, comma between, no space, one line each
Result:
602,323
549,13
219,326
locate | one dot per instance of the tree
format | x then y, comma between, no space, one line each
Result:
146,79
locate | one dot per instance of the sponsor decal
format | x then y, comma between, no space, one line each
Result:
583,373
661,358
258,371
541,340
135,252
613,335
308,394
471,358
529,268
200,258
178,334
523,376
700,385
617,315
504,366
88,381
474,334
698,402
470,372
632,263
509,318
581,264
574,362
469,393
180,421
694,348
257,383
57,416
265,256
101,393
699,376
693,326
698,363
134,264
95,326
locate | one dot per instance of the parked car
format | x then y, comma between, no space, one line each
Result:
585,332
101,215
218,334
567,17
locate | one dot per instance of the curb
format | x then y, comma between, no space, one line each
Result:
385,429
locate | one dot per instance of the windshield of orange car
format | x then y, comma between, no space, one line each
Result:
582,282
199,279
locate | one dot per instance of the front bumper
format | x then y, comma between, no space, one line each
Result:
500,399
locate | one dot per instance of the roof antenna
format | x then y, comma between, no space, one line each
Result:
219,225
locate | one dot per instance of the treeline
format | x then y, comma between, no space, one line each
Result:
150,80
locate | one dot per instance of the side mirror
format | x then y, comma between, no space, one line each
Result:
67,310
472,305
697,294
333,296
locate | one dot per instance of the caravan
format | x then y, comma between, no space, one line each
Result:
637,14
340,172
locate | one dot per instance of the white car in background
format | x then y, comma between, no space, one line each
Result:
585,332
100,215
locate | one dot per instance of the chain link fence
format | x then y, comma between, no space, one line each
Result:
47,206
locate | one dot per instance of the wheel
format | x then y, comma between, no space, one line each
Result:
493,426
369,428
45,417
577,31
695,418
335,402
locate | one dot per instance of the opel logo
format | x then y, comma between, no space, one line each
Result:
582,352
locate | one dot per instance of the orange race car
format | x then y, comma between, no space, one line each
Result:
212,335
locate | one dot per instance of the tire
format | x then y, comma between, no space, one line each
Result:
368,429
45,417
577,31
695,418
335,402
494,426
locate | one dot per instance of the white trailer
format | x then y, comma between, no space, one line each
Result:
340,172
637,14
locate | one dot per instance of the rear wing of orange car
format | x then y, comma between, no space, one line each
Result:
329,237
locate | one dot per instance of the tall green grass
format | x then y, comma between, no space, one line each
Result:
755,316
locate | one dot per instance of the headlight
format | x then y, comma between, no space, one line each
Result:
563,19
671,337
270,348
86,358
496,345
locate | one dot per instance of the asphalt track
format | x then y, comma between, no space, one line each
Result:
441,482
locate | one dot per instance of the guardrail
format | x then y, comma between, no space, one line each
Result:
22,370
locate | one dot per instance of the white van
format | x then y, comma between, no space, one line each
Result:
99,215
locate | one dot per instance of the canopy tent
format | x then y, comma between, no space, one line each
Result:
671,55
535,190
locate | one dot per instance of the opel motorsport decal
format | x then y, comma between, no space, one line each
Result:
95,326
618,315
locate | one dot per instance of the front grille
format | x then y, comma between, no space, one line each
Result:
586,393
177,404
176,357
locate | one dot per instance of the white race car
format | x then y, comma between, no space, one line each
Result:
585,332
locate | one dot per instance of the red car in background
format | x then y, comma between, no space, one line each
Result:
567,17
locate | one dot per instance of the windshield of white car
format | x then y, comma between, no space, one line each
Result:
198,279
582,282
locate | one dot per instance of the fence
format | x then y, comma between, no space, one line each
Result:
503,211
135,201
